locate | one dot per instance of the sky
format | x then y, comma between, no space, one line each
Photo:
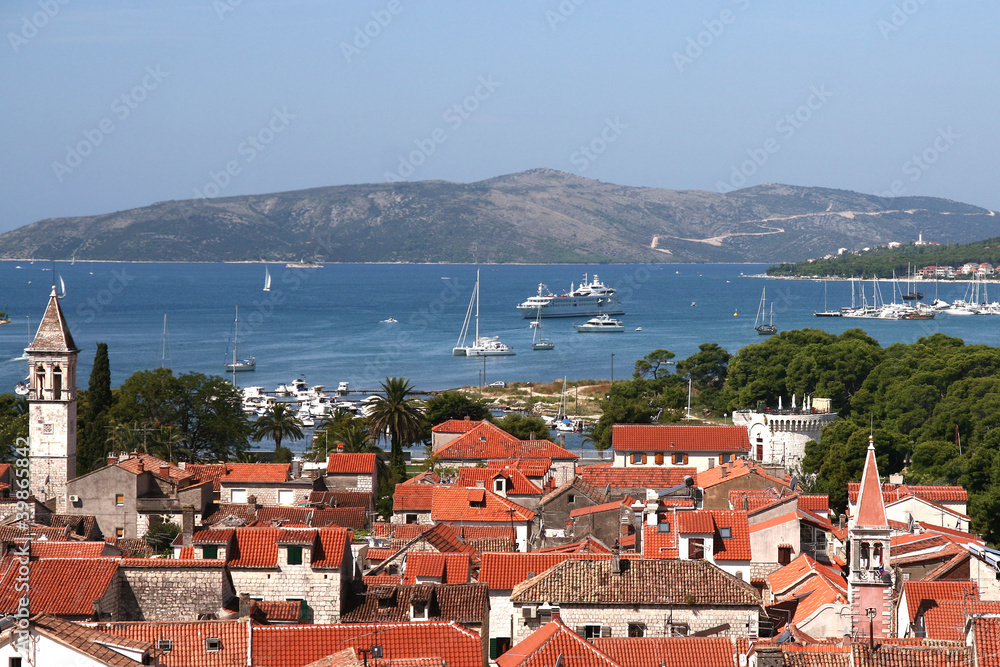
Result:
109,105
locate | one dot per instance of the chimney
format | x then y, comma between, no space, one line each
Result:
244,612
616,565
725,472
340,448
532,436
841,525
187,525
466,418
112,460
165,469
141,467
182,465
296,469
555,615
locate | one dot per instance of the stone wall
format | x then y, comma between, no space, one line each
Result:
502,621
743,621
361,483
400,517
782,438
168,593
266,493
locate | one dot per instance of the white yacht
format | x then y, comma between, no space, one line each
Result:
592,297
482,346
603,323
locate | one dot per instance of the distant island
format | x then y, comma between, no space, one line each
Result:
928,260
536,216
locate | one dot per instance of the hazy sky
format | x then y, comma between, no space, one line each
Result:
115,104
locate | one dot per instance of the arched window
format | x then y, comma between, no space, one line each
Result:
877,556
56,382
865,559
40,377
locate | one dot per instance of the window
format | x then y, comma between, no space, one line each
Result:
696,548
570,498
419,610
636,457
411,518
213,644
499,646
544,616
239,496
284,497
165,645
725,532
877,555
678,630
726,458
865,560
119,499
210,551
663,527
119,532
784,555
711,463
14,662
593,631
294,555
636,629
680,459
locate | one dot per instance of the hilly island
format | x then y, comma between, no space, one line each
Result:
535,216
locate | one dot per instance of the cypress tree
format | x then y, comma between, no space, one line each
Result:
92,434
99,389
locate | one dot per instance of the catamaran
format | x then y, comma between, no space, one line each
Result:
483,346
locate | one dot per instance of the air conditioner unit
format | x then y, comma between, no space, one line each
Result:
74,499
529,611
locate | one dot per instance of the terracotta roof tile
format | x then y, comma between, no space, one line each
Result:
784,579
653,581
187,640
345,658
734,547
463,505
603,475
588,544
282,646
456,426
463,603
69,549
519,483
255,547
59,586
382,579
987,641
351,464
16,533
412,498
256,472
674,438
596,509
277,515
487,532
342,498
506,570
727,472
450,568
84,525
486,441
815,502
893,492
656,544
546,645
281,611
222,511
922,592
133,547
204,472
53,333
658,651
529,467
173,562
345,517
98,645
889,655
425,477
816,656
945,619
155,466
870,512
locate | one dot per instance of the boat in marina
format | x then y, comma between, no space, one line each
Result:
760,325
482,346
826,312
603,323
238,365
592,297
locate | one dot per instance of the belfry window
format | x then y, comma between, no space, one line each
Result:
40,377
56,383
865,559
877,555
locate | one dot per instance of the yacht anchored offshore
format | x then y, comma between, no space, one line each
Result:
589,299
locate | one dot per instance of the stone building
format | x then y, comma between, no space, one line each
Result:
670,445
170,589
52,407
552,516
351,472
636,598
780,436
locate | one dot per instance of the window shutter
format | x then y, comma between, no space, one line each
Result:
581,630
685,459
643,458
493,648
659,458
605,630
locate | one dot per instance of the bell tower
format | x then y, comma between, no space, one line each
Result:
870,580
52,407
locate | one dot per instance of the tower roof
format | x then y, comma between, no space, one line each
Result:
871,508
53,334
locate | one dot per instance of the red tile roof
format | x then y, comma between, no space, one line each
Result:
345,517
893,492
279,610
986,631
784,579
281,515
463,603
487,441
816,655
456,426
246,513
674,438
462,505
735,547
924,592
530,467
68,549
696,522
330,546
257,472
586,545
153,465
189,562
727,472
98,645
505,570
519,482
656,544
658,651
351,464
283,646
382,579
551,644
449,568
255,547
945,619
412,498
59,586
602,475
596,509
815,503
187,640
208,471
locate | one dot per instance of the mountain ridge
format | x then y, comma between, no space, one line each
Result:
535,216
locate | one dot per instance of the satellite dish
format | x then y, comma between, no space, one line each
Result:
794,483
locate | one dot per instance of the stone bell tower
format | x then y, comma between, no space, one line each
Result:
52,407
870,580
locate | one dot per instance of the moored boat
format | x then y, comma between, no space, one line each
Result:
591,298
603,323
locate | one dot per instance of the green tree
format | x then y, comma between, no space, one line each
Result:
94,405
653,365
13,423
160,536
277,423
639,402
453,405
521,427
398,418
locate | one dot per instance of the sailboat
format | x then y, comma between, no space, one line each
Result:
267,280
537,341
563,423
239,365
762,327
826,312
483,346
163,351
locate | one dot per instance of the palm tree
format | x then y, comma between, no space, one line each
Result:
279,422
396,417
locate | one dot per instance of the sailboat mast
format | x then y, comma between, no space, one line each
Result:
236,341
163,351
477,305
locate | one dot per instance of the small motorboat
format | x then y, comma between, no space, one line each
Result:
638,328
391,320
603,323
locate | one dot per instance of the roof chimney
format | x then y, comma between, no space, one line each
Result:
340,448
616,565
187,525
165,469
531,436
141,467
466,418
244,612
555,615
112,460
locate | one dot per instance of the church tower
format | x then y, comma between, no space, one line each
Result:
52,407
870,579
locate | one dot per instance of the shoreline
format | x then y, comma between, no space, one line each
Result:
916,281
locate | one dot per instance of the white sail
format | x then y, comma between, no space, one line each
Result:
267,280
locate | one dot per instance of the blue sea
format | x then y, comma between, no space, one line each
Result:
323,325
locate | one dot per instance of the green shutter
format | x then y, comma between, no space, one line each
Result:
210,551
493,649
295,555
